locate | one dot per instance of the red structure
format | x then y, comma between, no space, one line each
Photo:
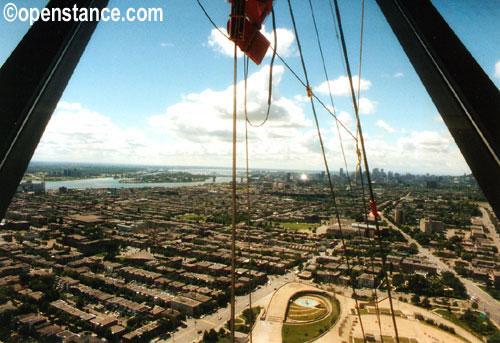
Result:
244,27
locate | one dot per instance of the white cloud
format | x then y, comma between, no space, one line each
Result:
497,70
425,141
340,86
221,44
195,131
207,116
204,122
366,106
165,44
386,127
76,133
395,75
420,152
198,129
285,39
345,118
304,98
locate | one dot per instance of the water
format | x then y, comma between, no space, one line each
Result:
109,182
307,302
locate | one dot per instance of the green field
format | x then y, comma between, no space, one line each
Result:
298,333
298,226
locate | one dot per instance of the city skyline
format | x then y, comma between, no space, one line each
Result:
340,170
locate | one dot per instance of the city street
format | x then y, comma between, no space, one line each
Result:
485,220
195,327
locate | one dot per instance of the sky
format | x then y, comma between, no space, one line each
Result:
160,93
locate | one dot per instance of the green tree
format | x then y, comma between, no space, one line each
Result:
80,303
450,280
467,256
426,303
24,278
165,325
478,323
418,284
495,338
415,299
460,269
398,280
210,336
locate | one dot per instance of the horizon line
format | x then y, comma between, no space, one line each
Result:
229,167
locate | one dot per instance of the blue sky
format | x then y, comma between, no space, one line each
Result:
160,93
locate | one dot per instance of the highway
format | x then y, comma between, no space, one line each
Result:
486,302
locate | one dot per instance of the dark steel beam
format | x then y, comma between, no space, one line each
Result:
466,98
32,81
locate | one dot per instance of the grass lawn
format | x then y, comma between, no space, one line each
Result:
477,323
240,323
299,226
256,312
302,333
452,318
307,316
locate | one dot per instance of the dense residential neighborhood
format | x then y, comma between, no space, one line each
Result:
136,264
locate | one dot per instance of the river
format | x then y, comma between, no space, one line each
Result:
109,182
